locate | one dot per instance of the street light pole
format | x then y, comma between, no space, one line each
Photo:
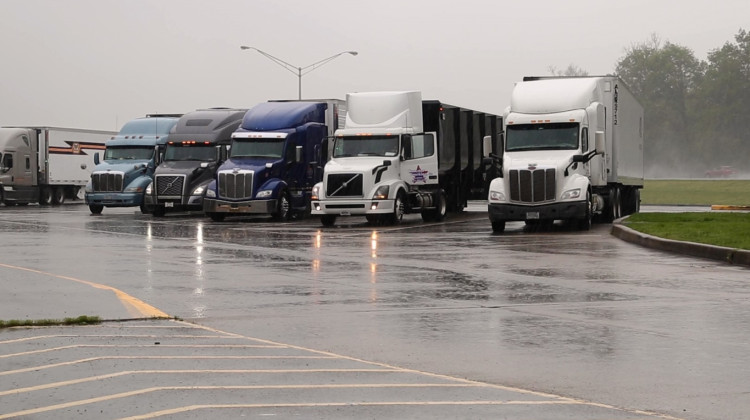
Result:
298,71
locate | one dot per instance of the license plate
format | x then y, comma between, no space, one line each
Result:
532,215
169,204
345,213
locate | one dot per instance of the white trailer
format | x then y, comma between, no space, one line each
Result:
46,164
573,149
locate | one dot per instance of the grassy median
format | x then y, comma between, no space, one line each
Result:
729,229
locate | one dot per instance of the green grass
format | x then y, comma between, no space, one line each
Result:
723,229
81,320
696,192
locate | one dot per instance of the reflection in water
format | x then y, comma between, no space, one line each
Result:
199,310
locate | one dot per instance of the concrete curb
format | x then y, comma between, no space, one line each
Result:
719,253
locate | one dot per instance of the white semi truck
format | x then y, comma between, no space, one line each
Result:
46,164
573,150
399,154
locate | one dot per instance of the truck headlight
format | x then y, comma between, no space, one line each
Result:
497,196
148,188
133,189
571,194
210,193
264,194
315,194
381,193
198,191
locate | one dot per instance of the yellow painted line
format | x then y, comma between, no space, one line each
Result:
727,207
134,306
149,346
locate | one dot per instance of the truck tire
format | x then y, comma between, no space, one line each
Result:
498,227
45,196
398,209
585,223
96,208
282,208
438,213
328,220
58,195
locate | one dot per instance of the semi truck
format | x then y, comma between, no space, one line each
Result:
275,158
398,154
130,158
46,165
573,150
197,145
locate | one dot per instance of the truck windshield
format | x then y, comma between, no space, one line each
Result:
129,153
553,136
366,146
269,148
202,152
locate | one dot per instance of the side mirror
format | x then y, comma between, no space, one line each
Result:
96,158
599,141
298,154
580,158
486,146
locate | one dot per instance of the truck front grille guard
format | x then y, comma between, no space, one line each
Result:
107,181
236,185
170,185
344,185
532,186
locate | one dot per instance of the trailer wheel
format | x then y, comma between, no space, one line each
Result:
96,208
45,196
328,219
282,209
498,227
58,195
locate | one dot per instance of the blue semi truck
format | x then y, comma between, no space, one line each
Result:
276,156
130,157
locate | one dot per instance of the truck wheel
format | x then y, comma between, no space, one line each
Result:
217,217
585,223
96,208
441,207
159,211
398,209
498,227
58,195
45,196
328,219
282,209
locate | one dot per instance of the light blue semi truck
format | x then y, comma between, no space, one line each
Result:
130,158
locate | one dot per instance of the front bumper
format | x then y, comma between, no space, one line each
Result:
195,203
555,211
211,205
114,199
351,207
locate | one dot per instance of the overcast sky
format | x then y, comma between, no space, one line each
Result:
99,63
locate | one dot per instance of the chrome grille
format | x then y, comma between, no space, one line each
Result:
344,185
532,186
170,185
107,181
236,185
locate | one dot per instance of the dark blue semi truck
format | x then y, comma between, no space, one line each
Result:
275,158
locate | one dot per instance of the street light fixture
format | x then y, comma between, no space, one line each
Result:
299,71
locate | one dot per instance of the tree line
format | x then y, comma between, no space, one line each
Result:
697,113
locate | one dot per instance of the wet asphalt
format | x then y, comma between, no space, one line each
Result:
441,320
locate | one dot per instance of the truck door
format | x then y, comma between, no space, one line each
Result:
419,155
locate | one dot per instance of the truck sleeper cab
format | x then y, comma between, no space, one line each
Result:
197,146
130,158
